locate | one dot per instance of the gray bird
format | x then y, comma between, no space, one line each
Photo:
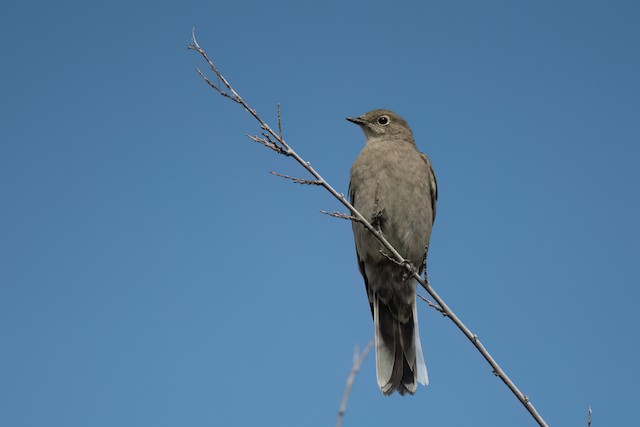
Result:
394,187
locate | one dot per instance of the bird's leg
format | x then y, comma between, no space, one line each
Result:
423,268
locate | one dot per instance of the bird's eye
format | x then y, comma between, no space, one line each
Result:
384,120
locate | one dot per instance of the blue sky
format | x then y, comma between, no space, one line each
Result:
152,272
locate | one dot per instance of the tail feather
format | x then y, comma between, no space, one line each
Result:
421,374
399,360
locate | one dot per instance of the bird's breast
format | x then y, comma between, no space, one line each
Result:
389,184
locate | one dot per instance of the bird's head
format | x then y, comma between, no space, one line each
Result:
377,123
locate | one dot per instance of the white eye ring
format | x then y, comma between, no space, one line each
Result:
383,120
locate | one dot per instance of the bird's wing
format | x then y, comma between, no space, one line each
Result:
352,200
433,184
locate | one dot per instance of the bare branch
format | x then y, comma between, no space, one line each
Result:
358,358
284,148
341,215
406,266
269,144
403,264
298,180
216,87
195,46
433,305
409,269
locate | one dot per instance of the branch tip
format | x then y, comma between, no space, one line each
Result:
358,359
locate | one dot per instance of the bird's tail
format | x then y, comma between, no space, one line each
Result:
399,361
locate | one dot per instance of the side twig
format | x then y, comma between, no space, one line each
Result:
358,359
432,305
279,122
341,215
298,180
283,148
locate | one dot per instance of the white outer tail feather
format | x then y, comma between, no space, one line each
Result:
423,377
385,356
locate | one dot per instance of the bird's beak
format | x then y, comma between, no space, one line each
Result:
356,120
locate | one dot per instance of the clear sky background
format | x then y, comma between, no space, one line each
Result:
153,273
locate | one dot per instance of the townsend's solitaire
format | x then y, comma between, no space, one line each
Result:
394,187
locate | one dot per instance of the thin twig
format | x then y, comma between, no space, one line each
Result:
433,305
268,144
411,270
341,215
406,265
298,180
279,122
216,87
402,264
358,358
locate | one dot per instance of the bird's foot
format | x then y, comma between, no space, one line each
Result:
378,219
409,269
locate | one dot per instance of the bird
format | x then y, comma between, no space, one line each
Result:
392,184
